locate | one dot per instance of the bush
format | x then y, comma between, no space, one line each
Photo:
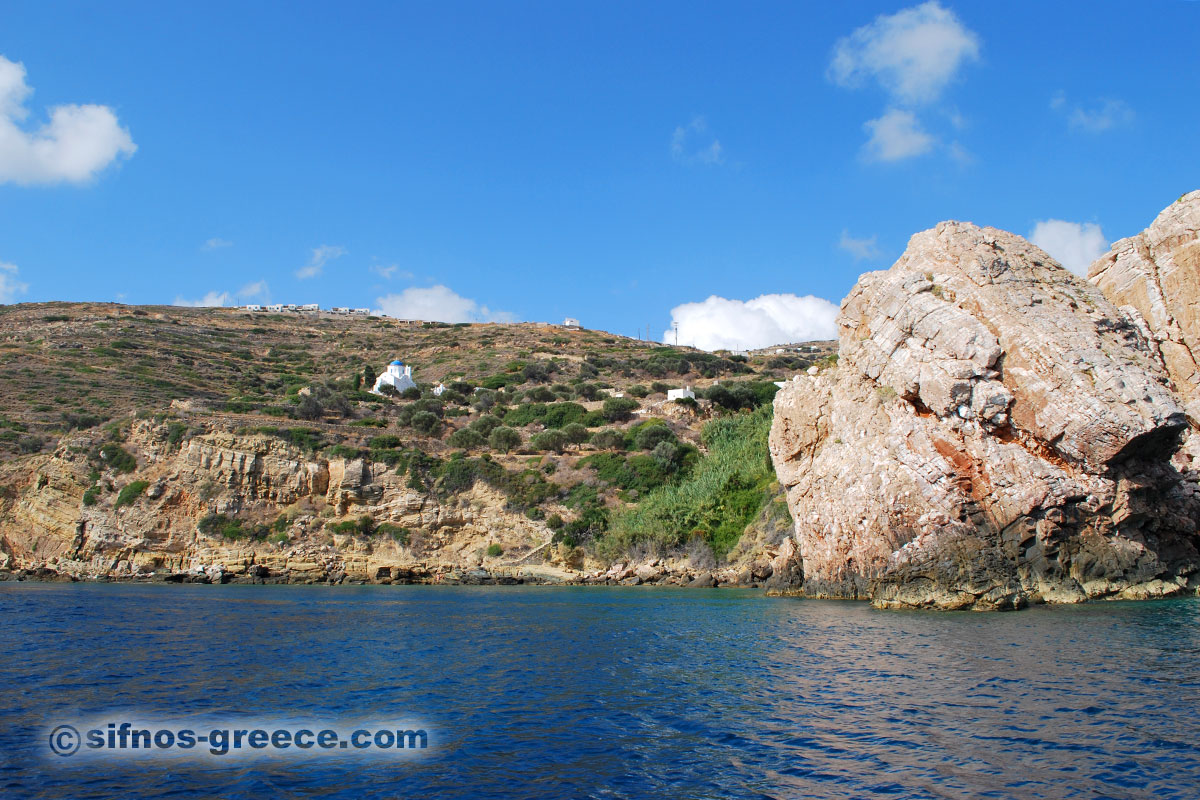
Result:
386,441
639,391
485,425
117,458
426,422
617,409
91,496
524,414
722,495
494,550
540,394
549,440
467,439
608,439
650,435
229,528
559,415
130,493
504,439
576,433
400,534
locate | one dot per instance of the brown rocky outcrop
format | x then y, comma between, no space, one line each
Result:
995,433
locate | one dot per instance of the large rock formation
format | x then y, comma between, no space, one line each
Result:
995,433
1156,276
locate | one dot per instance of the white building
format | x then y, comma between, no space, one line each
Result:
253,307
679,394
310,307
439,389
339,310
571,322
361,312
397,375
275,308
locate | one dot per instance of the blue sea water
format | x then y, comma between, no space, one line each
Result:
606,692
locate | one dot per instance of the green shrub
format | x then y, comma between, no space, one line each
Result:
549,440
130,493
91,496
576,433
559,415
650,434
397,532
386,441
617,409
608,439
494,550
504,439
720,497
467,439
117,458
525,414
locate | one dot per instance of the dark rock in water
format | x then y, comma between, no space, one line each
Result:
703,580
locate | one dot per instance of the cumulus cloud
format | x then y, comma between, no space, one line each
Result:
1075,245
895,136
693,144
10,287
320,257
217,244
913,54
861,249
216,299
1108,113
254,291
210,300
438,304
76,143
719,323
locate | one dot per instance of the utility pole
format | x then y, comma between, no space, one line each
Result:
675,326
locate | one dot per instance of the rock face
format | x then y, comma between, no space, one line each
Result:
995,433
1155,276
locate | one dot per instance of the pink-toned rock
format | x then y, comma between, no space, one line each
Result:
995,433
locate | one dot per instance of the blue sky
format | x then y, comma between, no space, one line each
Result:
617,162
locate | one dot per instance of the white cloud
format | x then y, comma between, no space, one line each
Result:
10,287
217,244
913,54
692,144
215,299
861,249
320,257
210,300
719,323
77,142
389,271
254,291
1075,245
438,304
1108,113
895,136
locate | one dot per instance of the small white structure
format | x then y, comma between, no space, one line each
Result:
275,308
339,310
253,307
679,394
397,375
361,312
439,389
310,307
571,322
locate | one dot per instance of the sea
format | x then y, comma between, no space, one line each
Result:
589,692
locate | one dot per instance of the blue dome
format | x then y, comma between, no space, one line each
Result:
398,362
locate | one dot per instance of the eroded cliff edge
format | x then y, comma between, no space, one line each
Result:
996,432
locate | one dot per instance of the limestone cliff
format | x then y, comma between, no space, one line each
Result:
995,433
49,527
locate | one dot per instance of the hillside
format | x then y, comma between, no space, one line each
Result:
132,432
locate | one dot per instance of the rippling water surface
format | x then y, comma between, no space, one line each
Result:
609,692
